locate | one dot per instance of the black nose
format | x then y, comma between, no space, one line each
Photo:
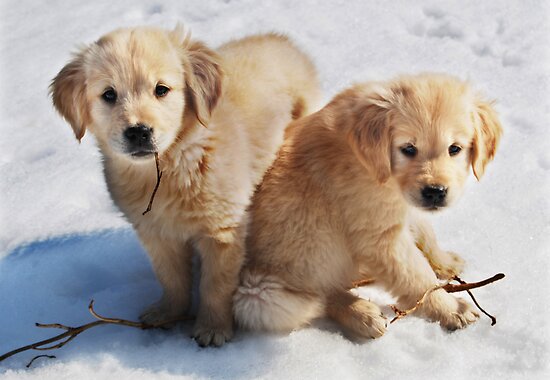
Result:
139,134
434,195
139,140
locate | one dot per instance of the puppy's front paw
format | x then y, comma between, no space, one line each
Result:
207,334
464,315
451,312
448,266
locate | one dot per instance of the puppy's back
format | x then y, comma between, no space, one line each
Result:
270,82
266,65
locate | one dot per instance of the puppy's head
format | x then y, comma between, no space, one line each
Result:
424,132
134,89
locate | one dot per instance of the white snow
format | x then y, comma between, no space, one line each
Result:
62,242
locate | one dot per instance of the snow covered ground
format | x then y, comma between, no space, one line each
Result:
62,242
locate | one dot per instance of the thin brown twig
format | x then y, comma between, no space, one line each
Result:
360,283
493,319
159,176
53,325
38,345
403,313
451,288
73,332
117,321
39,356
465,286
139,325
60,344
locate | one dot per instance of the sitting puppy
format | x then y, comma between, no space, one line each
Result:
342,202
216,119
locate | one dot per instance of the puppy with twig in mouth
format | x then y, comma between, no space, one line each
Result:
215,119
345,200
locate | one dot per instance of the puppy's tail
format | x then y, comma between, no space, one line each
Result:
262,302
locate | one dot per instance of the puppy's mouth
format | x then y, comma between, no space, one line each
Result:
142,153
427,206
433,207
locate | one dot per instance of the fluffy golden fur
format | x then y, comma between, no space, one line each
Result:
344,201
216,118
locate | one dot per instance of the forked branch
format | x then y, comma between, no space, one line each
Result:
72,332
451,288
448,287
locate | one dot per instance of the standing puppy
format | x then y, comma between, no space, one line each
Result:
344,201
215,118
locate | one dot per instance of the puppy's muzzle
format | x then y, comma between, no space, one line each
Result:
139,140
433,196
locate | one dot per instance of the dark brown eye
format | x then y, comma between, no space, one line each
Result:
161,90
109,96
454,150
409,150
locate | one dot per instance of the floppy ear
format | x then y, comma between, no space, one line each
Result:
486,138
68,90
203,79
369,136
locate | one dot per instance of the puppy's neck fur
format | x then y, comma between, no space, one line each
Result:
319,145
186,161
184,166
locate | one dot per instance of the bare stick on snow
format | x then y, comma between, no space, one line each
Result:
38,357
72,332
494,278
451,288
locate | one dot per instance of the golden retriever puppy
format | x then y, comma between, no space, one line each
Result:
344,201
216,119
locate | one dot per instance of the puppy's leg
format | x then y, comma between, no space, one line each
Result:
445,264
220,266
407,274
171,262
358,316
265,302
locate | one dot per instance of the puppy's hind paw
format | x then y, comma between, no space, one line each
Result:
207,336
159,313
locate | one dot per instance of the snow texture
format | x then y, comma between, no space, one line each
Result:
62,242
